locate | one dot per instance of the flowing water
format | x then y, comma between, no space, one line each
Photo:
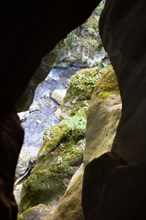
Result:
41,112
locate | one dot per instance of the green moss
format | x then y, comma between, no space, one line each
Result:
85,37
62,150
53,136
44,185
107,84
63,154
82,84
104,95
79,106
72,127
20,217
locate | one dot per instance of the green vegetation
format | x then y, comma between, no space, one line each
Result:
81,85
62,151
108,84
82,44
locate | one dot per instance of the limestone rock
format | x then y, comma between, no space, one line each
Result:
103,116
58,95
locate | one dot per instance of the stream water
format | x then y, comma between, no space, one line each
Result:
40,115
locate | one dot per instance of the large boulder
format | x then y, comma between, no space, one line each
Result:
103,116
69,205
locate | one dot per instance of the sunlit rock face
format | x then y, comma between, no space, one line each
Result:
103,117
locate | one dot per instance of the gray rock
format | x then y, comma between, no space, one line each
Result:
58,95
23,162
23,115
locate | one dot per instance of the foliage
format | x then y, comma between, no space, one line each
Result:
82,44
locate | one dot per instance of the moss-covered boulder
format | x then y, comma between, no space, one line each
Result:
38,212
69,208
80,89
62,151
70,204
59,158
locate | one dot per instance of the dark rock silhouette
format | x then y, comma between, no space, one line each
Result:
110,192
112,189
27,34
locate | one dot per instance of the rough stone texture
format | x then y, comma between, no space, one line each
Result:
39,212
70,204
103,116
